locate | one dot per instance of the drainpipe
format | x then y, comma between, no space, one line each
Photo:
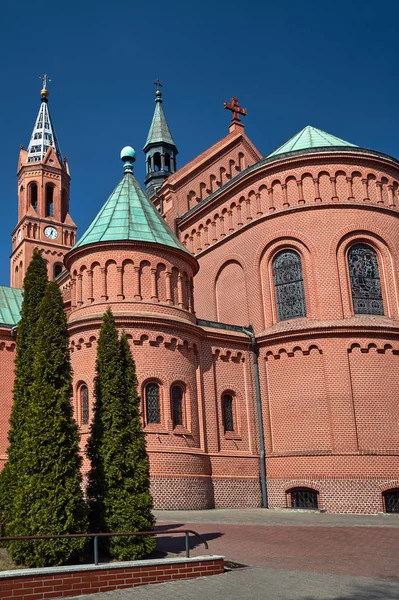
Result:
14,330
250,333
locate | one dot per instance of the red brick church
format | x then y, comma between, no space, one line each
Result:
260,296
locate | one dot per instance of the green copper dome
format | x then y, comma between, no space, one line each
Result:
129,215
308,138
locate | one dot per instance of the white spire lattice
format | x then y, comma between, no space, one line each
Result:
43,134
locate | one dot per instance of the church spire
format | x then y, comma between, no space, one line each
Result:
160,148
43,134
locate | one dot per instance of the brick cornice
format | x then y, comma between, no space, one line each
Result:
343,328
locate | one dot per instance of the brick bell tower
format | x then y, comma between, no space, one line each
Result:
43,200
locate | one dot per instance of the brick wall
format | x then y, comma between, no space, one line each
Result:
60,582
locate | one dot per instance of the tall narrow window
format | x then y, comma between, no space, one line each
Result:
177,405
152,403
365,281
57,269
84,402
391,501
49,201
228,416
33,195
303,498
288,280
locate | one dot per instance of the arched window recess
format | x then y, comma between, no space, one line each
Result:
152,403
288,282
303,497
228,412
84,404
177,396
391,500
365,280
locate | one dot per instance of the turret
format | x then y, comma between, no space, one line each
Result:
43,199
160,149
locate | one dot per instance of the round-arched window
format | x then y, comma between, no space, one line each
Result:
365,281
288,281
303,497
177,405
57,269
391,500
153,412
84,402
227,412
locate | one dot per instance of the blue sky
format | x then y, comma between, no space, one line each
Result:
333,65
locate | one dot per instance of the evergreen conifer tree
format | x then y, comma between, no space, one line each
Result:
48,498
35,283
118,488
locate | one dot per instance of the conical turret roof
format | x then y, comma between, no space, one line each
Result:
43,134
159,130
310,137
129,215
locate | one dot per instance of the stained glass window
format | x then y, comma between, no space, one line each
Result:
288,280
152,403
391,501
84,398
177,405
365,281
303,498
228,417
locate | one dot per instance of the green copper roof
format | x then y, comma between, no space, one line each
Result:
159,130
310,137
129,215
10,305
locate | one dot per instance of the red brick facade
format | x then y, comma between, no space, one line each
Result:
329,381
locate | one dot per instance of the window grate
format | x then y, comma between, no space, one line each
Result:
304,498
391,500
152,403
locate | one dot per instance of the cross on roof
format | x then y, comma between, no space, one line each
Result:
235,109
158,84
45,78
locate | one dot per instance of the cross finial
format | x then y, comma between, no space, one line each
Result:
158,84
45,78
236,110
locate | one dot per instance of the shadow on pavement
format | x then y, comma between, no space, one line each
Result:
176,544
376,591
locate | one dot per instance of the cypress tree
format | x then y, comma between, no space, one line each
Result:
48,499
118,488
35,283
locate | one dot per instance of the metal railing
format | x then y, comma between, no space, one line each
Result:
95,537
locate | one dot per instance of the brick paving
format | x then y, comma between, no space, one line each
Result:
260,584
313,557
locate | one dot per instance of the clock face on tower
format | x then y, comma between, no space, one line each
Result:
19,235
51,233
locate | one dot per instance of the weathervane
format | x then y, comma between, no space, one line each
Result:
158,84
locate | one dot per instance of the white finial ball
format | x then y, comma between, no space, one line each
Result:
128,153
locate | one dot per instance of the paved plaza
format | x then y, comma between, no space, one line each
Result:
288,556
